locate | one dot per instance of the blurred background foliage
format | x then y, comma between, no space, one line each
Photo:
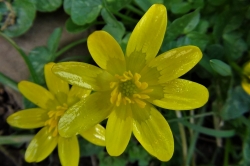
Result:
216,134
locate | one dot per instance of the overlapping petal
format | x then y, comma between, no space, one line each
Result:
85,114
37,95
246,78
171,64
106,52
76,94
119,129
40,146
68,150
95,135
29,118
153,132
146,38
83,75
180,94
56,86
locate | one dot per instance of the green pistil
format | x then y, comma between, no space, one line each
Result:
127,88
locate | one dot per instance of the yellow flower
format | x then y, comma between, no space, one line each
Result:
127,86
52,105
246,79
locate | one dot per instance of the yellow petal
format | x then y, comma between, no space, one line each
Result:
68,150
76,94
119,129
95,135
83,75
29,118
147,36
40,146
171,64
246,79
106,52
85,114
153,132
56,86
181,94
37,95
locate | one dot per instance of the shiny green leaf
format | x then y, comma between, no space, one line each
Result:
74,28
25,11
145,4
48,5
85,11
53,41
221,67
117,4
237,103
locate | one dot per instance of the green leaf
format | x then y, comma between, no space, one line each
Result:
215,51
246,147
53,41
204,62
85,11
248,13
234,44
180,8
117,5
67,4
208,131
197,39
182,25
113,27
74,28
202,26
220,21
221,67
124,42
48,5
216,2
106,160
237,103
145,4
25,11
234,23
87,148
15,139
39,56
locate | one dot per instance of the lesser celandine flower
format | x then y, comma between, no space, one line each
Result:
52,105
128,86
246,79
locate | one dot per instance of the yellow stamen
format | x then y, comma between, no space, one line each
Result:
54,116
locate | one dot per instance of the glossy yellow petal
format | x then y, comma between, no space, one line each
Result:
83,75
148,35
68,150
40,146
153,132
246,78
118,130
29,118
171,64
85,114
181,94
106,52
95,135
37,95
76,94
56,86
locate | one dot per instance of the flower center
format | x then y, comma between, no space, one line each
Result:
54,116
129,89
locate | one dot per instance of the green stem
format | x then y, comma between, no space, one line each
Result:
8,82
71,45
188,117
124,17
226,154
24,56
183,138
135,10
